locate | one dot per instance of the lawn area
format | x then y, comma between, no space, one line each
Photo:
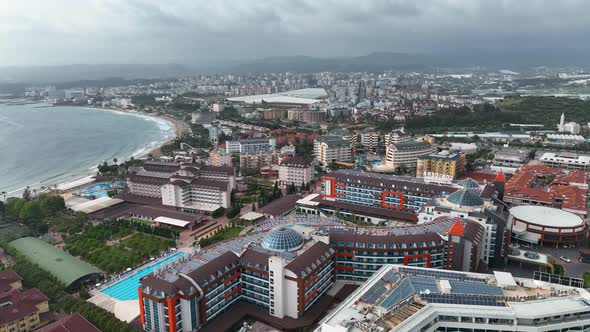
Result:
224,234
114,248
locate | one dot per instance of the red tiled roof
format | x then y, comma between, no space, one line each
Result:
500,177
457,228
31,296
479,177
71,323
8,277
11,313
524,184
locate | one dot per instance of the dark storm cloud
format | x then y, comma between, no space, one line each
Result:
193,31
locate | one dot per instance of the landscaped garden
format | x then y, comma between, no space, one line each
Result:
116,246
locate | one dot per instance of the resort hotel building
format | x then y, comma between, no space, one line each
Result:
396,137
406,154
402,298
548,186
444,164
373,197
295,170
285,273
329,149
285,269
566,160
477,203
252,145
187,186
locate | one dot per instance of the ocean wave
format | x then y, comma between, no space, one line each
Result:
52,177
163,124
31,185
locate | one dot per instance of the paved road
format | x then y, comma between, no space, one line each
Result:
573,269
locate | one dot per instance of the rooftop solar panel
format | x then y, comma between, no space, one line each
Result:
400,293
423,284
459,287
374,293
464,299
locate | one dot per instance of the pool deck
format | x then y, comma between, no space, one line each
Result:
123,310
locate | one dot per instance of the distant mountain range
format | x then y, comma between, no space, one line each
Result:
380,61
69,73
373,62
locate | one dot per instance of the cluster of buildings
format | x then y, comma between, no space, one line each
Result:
401,152
286,270
436,227
548,186
186,186
28,310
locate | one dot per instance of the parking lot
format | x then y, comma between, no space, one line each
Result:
573,269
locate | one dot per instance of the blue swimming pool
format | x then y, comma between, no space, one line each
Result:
100,189
126,289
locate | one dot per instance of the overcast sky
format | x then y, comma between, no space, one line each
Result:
48,32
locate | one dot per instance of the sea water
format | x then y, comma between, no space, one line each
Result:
41,145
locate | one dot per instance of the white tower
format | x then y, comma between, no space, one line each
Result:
561,122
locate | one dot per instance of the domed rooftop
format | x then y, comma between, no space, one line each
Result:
468,183
282,239
465,197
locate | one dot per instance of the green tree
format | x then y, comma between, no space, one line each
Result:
291,189
218,213
2,210
52,204
27,194
31,212
13,207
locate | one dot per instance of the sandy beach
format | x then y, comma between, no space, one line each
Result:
178,125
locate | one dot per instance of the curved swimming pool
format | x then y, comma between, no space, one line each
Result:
126,289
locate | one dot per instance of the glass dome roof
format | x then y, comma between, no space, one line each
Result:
465,197
468,183
282,239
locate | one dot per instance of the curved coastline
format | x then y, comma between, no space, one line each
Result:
171,129
176,125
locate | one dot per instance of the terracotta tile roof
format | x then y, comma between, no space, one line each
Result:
11,313
70,323
525,184
31,296
8,277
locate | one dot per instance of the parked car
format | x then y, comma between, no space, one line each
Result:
565,259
